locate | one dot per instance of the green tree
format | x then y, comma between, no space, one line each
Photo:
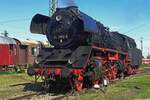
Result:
5,33
148,57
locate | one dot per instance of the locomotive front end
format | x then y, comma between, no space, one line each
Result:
63,29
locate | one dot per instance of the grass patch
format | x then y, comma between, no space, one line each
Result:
9,79
145,65
7,73
10,92
136,88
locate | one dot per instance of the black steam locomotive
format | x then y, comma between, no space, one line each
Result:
85,53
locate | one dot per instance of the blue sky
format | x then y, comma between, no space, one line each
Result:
130,17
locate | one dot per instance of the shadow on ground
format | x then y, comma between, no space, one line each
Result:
55,89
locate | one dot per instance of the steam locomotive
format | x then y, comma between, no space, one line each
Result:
85,53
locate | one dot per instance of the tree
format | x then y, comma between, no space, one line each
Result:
5,33
148,57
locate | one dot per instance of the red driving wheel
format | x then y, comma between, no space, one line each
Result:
130,71
79,83
114,72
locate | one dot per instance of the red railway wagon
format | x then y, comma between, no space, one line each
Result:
8,52
27,51
146,61
30,49
15,53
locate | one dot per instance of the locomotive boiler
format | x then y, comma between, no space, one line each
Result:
85,52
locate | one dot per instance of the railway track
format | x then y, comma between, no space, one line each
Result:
59,98
27,96
139,72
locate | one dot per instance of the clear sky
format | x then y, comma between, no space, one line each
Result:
130,17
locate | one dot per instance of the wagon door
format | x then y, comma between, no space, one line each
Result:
11,55
15,54
23,55
31,54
